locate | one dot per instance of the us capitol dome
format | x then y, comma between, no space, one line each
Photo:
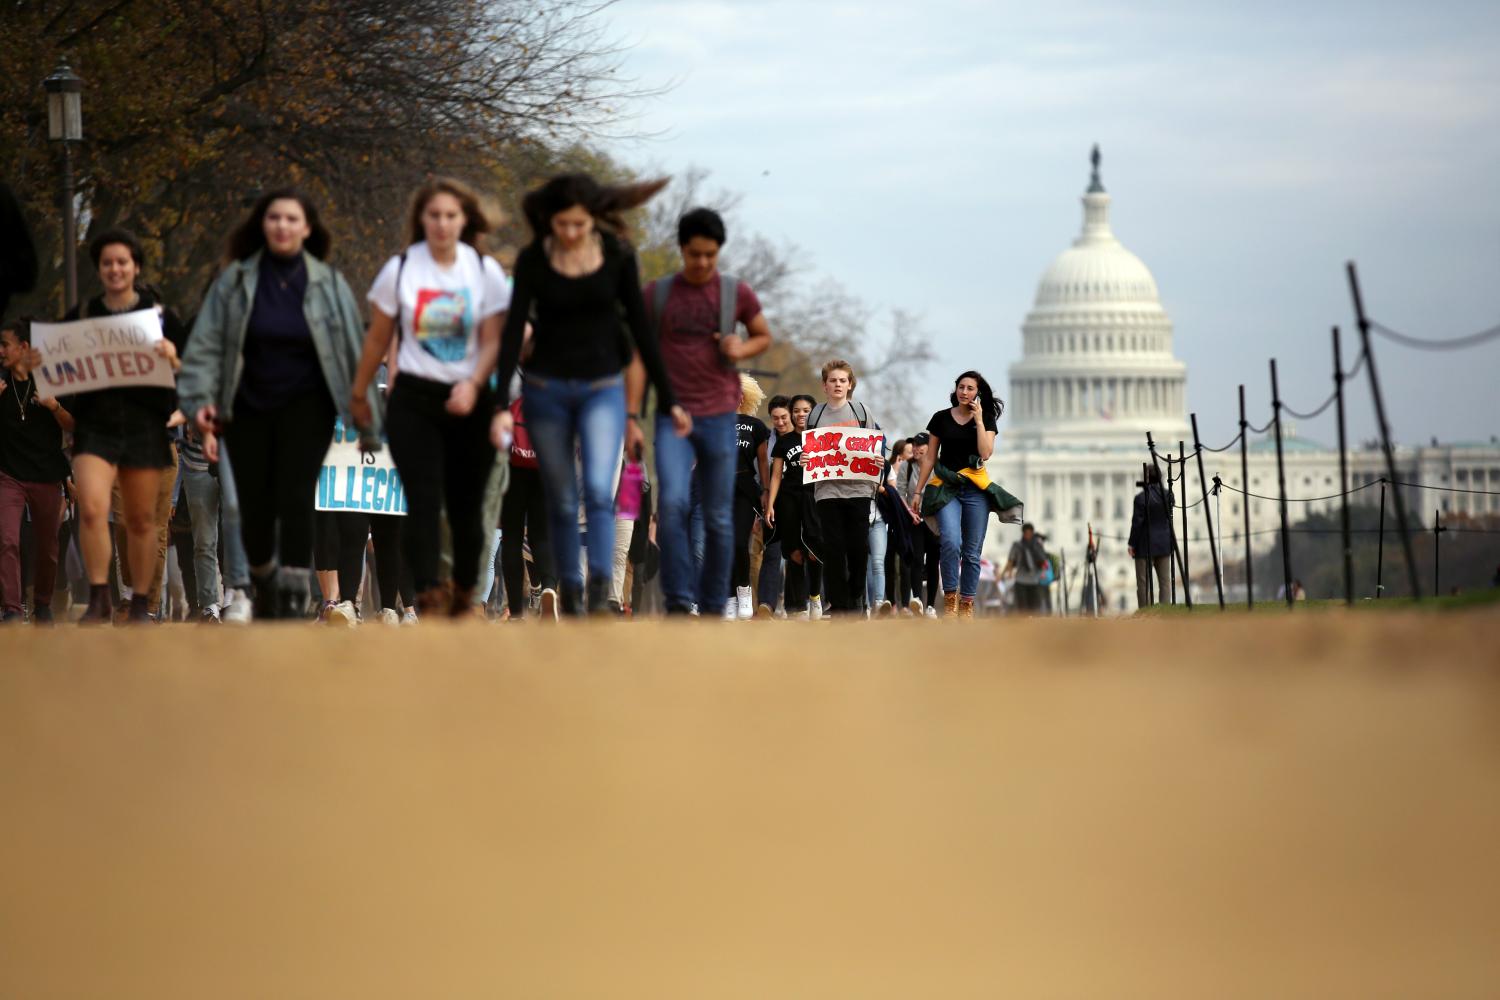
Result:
1097,368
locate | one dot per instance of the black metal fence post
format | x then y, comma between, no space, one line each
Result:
1286,539
1380,548
1208,517
1385,433
1338,392
1245,499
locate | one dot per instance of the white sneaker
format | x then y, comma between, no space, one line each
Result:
931,611
236,609
732,610
388,616
548,606
342,614
815,609
779,614
410,617
802,616
914,606
746,610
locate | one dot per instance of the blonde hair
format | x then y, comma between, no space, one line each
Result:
751,395
839,364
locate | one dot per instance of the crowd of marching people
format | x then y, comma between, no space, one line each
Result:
514,409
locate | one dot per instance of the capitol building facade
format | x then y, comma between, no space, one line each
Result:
1097,371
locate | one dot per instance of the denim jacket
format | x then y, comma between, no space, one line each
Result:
215,360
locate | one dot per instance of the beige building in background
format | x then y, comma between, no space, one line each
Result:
1097,371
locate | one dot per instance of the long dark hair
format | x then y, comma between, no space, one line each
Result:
606,203
477,221
988,404
250,237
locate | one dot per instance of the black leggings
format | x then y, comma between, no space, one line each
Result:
744,523
523,515
845,524
277,457
923,565
341,544
444,461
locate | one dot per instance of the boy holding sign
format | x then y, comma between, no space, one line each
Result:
843,455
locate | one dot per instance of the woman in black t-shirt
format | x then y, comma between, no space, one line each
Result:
122,438
789,509
963,439
752,479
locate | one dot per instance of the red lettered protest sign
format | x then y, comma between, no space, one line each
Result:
105,352
842,454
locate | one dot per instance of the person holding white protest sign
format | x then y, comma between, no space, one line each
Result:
122,437
271,362
444,300
33,469
845,470
581,275
957,490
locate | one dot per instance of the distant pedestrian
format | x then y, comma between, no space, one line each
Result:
1027,564
1151,538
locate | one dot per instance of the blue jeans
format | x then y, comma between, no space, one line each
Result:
963,522
236,562
714,446
202,491
875,574
584,417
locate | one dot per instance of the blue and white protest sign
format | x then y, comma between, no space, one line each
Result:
364,482
105,352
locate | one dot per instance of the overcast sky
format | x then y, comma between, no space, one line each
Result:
931,155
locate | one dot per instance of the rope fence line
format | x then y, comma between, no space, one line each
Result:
1237,535
1315,413
1333,496
1423,344
1445,489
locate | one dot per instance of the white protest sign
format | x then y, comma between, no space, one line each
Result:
842,453
357,481
105,352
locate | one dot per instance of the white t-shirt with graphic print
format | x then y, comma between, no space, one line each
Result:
441,309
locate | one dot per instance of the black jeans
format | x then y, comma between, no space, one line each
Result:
523,517
846,544
391,578
277,457
340,545
444,461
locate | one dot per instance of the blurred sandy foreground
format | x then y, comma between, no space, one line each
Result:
1279,807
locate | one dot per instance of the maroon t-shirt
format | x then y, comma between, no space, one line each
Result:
705,382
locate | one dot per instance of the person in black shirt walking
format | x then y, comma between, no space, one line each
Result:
32,471
122,437
751,492
573,281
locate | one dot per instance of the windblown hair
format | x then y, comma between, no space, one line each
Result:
751,395
987,401
606,203
477,221
250,236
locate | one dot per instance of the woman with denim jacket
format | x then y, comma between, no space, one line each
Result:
573,281
269,367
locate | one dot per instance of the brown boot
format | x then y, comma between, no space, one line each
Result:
435,602
950,605
463,604
966,608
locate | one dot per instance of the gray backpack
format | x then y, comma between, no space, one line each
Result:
729,288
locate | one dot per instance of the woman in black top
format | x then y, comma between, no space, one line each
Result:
122,435
32,471
962,441
789,509
752,478
572,282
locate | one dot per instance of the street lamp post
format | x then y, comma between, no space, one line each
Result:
65,125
